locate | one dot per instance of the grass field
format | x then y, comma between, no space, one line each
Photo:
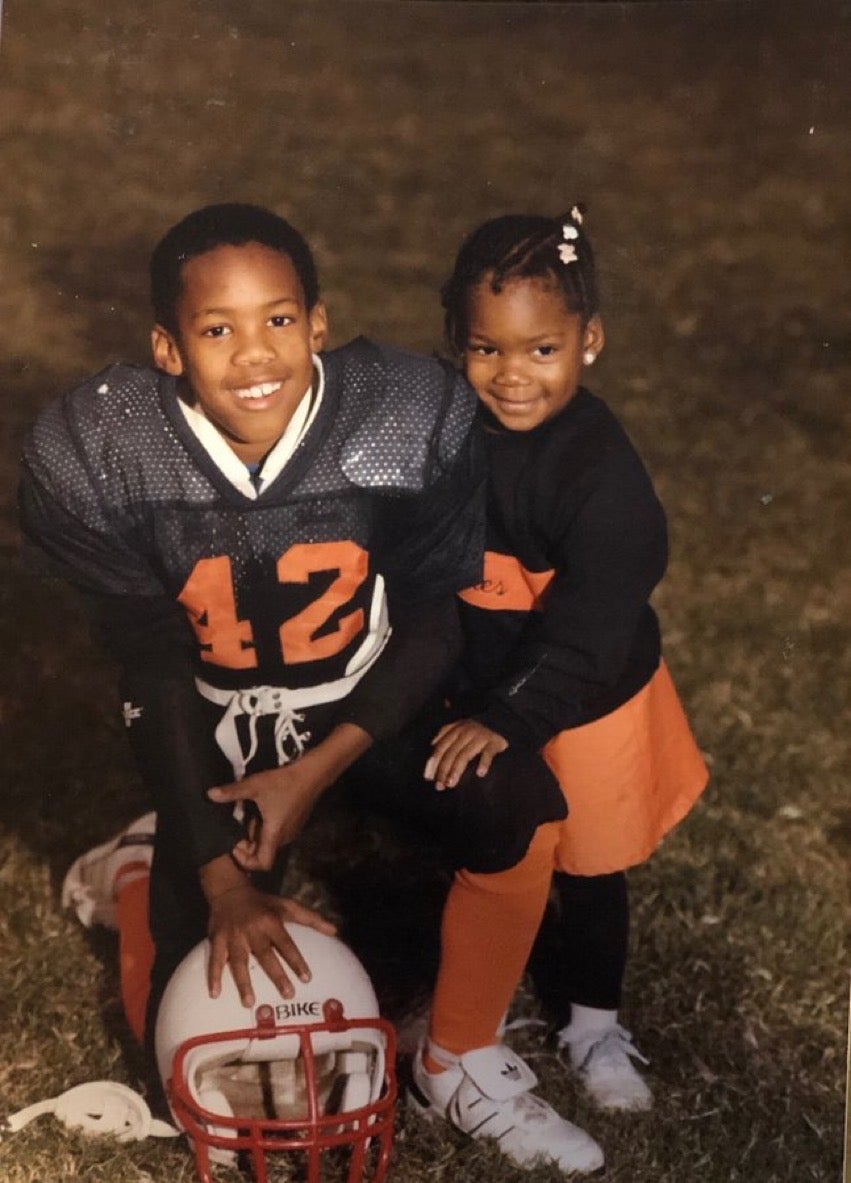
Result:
710,142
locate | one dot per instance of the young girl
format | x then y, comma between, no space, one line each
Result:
562,647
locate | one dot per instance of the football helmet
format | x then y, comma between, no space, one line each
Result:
305,1075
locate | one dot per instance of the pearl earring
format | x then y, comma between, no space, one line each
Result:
589,357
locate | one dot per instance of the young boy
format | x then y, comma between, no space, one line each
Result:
270,542
244,515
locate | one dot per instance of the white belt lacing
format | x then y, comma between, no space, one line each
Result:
286,705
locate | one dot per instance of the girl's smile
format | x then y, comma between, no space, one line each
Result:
525,348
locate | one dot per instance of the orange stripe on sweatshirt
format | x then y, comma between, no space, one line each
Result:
508,586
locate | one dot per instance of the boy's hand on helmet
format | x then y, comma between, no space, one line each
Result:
245,922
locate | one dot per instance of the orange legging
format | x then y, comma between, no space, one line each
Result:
489,925
135,951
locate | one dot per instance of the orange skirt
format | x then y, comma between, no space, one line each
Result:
628,779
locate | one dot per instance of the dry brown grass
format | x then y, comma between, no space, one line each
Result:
712,144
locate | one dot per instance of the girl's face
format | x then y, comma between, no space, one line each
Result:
525,348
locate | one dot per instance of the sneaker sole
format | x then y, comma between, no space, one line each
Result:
639,1105
76,894
419,1104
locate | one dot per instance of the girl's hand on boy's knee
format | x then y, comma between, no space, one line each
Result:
245,922
456,745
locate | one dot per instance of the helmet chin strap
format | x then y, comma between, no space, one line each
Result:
97,1107
216,1101
357,1090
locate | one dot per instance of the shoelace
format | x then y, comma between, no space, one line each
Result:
607,1048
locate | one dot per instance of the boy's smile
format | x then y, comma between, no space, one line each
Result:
243,343
524,350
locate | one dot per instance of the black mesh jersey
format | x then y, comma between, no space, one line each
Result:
379,499
560,631
278,608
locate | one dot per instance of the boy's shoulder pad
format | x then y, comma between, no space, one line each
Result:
410,414
395,363
118,381
387,376
115,403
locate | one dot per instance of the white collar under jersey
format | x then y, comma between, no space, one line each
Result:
223,455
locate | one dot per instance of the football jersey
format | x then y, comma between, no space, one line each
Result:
289,587
277,605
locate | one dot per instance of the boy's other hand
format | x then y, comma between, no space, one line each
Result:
286,796
246,922
455,745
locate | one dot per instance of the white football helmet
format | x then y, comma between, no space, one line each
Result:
303,1075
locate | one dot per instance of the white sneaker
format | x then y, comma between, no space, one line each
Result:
603,1060
90,884
486,1094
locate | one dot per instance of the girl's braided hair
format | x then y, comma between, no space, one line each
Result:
522,246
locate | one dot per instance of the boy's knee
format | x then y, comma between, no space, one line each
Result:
497,816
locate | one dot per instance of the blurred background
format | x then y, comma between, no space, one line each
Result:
710,144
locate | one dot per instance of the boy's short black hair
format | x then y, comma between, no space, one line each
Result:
522,246
228,224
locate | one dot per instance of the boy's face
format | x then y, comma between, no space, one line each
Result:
524,352
243,343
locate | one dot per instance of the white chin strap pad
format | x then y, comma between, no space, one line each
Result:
357,1090
213,1099
99,1107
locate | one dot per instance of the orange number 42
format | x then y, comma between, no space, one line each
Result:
210,601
